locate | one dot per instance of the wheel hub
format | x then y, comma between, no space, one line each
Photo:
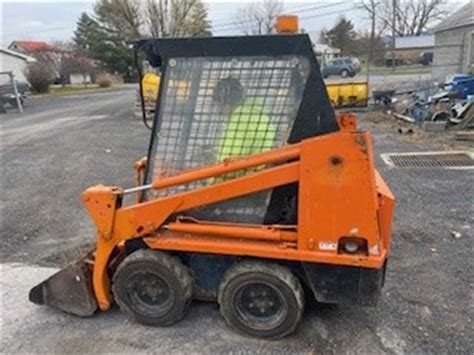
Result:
260,305
149,289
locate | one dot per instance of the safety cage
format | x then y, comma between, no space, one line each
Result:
231,97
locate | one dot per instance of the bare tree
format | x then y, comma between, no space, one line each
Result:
177,18
412,17
258,18
121,16
373,9
62,46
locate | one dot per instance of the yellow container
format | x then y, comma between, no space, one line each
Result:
151,87
351,94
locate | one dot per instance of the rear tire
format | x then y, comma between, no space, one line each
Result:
261,299
153,288
344,73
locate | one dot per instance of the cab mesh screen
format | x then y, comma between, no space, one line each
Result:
215,108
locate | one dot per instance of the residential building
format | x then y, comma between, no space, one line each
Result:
454,44
29,47
14,62
323,52
410,49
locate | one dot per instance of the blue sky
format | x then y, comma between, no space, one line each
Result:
55,20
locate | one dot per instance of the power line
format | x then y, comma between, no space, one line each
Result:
42,31
238,26
223,26
303,8
299,8
306,9
312,8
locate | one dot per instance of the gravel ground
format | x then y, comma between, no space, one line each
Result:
62,145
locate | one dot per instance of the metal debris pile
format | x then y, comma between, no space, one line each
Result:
435,108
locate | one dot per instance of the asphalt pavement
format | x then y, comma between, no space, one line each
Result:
62,145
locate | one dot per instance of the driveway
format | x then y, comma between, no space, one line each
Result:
62,145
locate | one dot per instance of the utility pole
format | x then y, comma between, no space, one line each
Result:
394,23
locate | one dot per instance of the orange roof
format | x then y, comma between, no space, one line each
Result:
32,46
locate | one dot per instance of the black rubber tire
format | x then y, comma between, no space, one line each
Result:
344,73
138,276
248,275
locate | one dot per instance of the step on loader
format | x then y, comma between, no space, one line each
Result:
254,194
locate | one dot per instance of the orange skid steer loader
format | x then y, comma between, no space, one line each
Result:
254,194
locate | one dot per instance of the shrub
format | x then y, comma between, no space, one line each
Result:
104,83
39,76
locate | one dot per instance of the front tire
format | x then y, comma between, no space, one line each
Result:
153,288
261,299
344,73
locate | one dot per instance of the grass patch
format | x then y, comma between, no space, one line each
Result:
71,90
400,70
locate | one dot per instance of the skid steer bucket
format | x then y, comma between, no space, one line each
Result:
69,290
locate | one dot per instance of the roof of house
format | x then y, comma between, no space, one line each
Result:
32,46
18,55
325,49
423,41
463,17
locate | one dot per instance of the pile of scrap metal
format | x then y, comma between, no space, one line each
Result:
452,107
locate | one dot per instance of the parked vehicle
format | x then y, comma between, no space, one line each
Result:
340,66
354,62
7,93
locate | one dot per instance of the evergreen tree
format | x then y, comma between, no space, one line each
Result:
107,33
342,36
83,30
199,24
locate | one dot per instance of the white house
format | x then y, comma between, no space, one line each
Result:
14,62
323,51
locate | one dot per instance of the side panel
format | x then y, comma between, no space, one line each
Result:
386,210
345,284
338,196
